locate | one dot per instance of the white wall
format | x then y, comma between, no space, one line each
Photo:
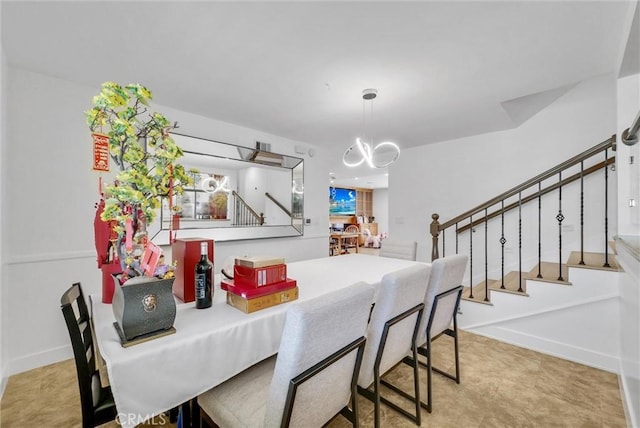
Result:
630,330
629,225
48,236
381,209
451,177
556,319
628,99
3,144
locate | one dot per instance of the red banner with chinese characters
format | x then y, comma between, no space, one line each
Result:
100,152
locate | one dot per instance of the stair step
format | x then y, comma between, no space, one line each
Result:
511,283
548,270
550,273
593,261
478,293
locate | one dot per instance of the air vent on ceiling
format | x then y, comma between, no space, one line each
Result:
263,147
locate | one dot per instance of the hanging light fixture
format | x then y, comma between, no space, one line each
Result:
380,155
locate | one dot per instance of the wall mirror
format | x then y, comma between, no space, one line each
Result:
238,193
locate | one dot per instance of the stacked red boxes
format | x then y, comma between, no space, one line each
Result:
259,283
259,277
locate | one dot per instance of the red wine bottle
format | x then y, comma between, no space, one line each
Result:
204,279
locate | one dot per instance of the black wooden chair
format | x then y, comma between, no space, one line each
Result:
97,402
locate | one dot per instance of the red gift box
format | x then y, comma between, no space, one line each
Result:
259,277
186,252
231,286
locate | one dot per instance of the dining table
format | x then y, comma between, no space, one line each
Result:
212,345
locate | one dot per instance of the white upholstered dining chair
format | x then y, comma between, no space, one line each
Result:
393,329
313,377
441,307
398,249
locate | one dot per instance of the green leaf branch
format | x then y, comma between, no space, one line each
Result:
142,148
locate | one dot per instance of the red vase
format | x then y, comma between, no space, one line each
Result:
108,284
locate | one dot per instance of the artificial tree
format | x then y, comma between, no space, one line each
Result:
140,145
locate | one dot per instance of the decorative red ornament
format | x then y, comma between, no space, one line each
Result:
150,259
128,235
100,152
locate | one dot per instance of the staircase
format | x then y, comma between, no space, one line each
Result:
542,271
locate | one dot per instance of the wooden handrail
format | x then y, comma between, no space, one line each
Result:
609,143
544,191
282,207
630,135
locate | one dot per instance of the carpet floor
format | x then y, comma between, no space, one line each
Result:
501,386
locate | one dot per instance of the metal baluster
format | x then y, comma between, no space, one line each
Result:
560,218
486,259
443,253
456,238
471,256
520,241
582,212
606,209
502,242
539,230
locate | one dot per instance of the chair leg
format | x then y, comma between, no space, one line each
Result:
428,406
376,403
377,399
416,386
455,341
352,414
373,396
354,405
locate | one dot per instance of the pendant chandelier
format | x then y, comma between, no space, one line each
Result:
364,150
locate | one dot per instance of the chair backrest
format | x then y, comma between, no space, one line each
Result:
314,330
399,249
446,274
352,228
399,292
76,316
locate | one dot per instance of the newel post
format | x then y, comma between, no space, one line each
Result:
435,231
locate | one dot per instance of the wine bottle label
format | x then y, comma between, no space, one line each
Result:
201,285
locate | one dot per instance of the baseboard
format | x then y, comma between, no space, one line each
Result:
39,359
3,385
550,347
629,395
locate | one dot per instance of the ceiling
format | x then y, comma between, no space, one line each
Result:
443,70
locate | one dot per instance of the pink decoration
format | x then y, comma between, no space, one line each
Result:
150,259
128,240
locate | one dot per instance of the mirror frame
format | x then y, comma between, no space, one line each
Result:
218,150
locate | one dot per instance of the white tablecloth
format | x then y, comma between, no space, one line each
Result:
212,345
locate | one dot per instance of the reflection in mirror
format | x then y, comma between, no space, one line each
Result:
237,193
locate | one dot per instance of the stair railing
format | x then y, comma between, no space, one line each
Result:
244,215
480,214
278,204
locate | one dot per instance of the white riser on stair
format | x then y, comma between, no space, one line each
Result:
556,319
